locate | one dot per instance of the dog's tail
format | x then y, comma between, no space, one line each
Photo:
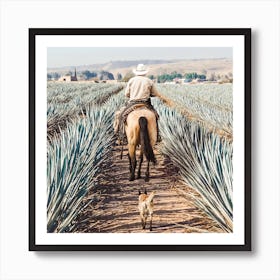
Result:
150,197
145,141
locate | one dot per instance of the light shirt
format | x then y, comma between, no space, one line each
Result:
140,87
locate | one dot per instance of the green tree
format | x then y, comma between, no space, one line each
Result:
104,75
202,77
191,76
53,76
88,75
56,76
119,76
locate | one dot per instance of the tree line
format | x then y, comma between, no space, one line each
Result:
86,75
162,78
175,75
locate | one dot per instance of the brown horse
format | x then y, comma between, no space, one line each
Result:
141,129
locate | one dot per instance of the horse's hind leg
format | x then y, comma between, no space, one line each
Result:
132,162
132,166
129,163
147,174
140,164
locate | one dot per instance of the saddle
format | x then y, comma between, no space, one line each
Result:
134,107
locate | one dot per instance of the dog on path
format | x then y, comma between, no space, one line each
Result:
145,207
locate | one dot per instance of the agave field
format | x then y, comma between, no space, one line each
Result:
190,139
196,131
82,115
66,101
209,104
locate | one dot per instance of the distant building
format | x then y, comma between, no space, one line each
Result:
68,78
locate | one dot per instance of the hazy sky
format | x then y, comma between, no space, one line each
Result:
58,57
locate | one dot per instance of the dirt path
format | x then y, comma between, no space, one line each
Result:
118,207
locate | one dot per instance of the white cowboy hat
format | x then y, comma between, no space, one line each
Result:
140,70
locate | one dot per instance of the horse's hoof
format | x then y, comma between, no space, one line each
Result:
131,178
147,179
138,177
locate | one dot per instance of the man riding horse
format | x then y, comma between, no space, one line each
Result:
139,90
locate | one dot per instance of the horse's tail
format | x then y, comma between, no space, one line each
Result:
145,141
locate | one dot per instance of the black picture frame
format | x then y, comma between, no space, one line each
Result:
245,32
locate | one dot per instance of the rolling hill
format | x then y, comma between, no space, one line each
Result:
156,67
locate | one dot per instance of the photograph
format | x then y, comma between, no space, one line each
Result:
140,139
